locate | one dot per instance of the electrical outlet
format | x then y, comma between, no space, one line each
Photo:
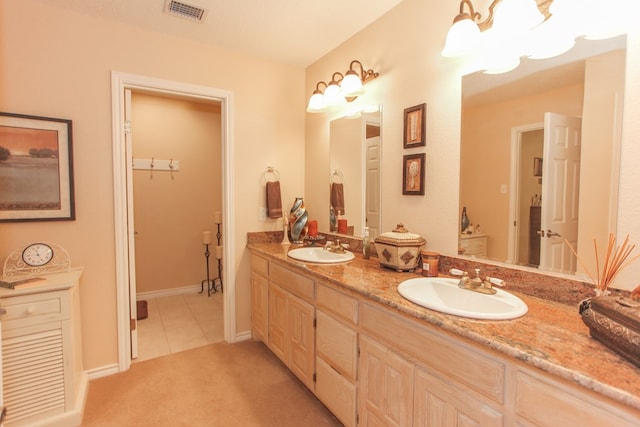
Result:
262,214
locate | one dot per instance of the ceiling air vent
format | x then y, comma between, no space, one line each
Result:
185,10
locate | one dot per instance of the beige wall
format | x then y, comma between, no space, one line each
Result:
404,47
172,209
58,63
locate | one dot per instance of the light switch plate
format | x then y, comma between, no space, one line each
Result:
262,214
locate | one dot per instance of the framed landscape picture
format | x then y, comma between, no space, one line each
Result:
36,168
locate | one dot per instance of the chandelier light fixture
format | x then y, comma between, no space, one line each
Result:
536,29
342,88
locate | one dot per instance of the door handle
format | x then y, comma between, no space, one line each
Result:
552,234
540,233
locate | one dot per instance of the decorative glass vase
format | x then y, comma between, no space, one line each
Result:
298,219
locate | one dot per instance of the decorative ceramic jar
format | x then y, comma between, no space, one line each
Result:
298,218
399,249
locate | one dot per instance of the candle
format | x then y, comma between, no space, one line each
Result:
217,218
206,237
313,228
219,252
342,226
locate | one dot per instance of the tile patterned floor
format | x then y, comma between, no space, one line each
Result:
179,323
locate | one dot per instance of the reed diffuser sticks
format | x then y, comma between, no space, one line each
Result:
616,259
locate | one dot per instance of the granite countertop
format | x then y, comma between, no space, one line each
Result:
551,336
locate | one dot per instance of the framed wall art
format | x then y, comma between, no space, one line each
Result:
415,126
537,166
36,168
413,166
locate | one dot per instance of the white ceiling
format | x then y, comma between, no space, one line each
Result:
297,32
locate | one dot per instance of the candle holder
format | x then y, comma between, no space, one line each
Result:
218,279
211,284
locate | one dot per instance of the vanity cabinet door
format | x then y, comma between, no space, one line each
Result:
259,307
301,339
278,323
385,386
440,403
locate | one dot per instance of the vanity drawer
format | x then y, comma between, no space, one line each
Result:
260,265
337,304
28,310
292,282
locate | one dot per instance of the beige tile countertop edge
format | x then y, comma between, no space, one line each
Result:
551,336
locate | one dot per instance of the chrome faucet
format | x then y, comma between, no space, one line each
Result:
336,247
477,284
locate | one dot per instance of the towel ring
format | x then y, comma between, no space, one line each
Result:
273,171
336,172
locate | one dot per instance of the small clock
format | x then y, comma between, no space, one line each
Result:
37,254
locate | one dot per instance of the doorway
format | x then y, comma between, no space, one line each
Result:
124,232
175,144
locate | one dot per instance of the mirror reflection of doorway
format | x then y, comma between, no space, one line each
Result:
529,198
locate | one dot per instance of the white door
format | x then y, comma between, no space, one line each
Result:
372,190
560,192
128,138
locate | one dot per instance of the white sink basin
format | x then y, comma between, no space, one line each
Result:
319,255
442,294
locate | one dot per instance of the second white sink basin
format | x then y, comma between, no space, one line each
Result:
444,295
320,255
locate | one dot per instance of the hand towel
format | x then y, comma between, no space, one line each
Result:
274,200
337,197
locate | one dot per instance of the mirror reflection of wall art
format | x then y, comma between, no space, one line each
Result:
413,174
36,168
414,126
537,166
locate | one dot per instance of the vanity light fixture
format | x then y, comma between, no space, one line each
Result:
341,88
537,29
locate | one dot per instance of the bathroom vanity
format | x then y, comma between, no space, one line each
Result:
374,358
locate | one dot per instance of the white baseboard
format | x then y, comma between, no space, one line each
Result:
103,371
243,336
191,289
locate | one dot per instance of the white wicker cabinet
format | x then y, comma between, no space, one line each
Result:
42,378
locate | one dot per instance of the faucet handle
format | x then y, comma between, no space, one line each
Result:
497,282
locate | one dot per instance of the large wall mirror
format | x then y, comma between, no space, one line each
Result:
540,157
355,147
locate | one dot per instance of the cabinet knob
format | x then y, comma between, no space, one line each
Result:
31,310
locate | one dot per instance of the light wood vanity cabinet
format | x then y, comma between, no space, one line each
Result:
291,317
259,298
377,367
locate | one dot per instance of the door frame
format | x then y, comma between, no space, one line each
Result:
119,83
514,186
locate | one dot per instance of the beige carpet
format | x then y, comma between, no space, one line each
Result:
221,384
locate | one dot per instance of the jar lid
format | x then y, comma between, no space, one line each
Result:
400,236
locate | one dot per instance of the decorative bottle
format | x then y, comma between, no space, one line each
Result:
298,221
366,244
464,221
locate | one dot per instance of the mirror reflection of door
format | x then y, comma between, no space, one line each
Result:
372,184
560,192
